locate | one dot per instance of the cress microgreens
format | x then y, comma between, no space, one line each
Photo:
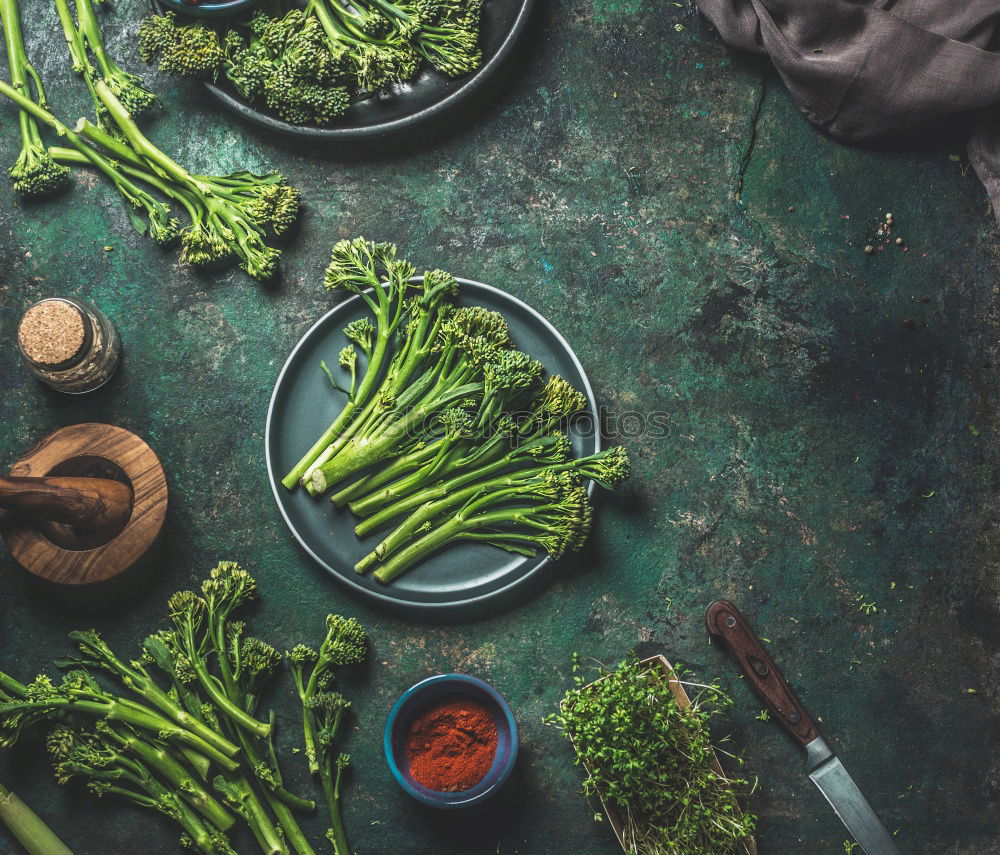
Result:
651,762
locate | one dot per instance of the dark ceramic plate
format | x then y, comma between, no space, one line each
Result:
303,406
407,105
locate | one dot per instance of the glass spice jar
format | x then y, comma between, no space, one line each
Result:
69,344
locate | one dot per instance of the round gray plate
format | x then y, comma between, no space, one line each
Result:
303,405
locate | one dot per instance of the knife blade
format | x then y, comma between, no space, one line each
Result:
724,621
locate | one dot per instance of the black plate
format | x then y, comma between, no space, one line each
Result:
405,105
303,406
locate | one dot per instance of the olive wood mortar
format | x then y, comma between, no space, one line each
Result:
84,505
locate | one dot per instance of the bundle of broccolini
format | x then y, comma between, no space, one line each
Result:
447,423
227,217
183,734
307,64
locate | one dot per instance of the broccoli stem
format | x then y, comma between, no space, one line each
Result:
388,310
308,723
133,194
170,770
218,696
242,798
433,470
403,465
71,156
90,29
307,462
128,712
417,346
394,502
447,501
143,685
28,829
607,468
77,49
462,526
16,60
157,159
364,451
400,466
167,802
330,780
279,798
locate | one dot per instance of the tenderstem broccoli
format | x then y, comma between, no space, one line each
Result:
34,173
373,273
27,827
109,771
449,359
80,695
128,88
139,749
229,217
245,664
551,513
134,676
323,710
308,64
189,614
461,436
607,468
531,440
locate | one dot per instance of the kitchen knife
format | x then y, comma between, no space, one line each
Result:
725,622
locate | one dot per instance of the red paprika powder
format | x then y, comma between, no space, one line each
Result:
451,744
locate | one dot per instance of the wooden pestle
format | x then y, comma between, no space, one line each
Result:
97,504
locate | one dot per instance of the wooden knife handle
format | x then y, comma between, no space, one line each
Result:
724,621
87,503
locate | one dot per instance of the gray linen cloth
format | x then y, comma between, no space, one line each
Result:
860,69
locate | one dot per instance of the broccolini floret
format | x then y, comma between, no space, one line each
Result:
188,50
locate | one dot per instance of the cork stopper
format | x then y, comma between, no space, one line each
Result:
52,332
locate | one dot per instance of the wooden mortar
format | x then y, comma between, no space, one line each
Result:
94,505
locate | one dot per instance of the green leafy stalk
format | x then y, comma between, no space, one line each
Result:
238,794
608,468
34,173
323,710
81,697
28,829
158,221
109,771
245,665
372,272
236,790
188,614
558,521
136,678
530,442
163,763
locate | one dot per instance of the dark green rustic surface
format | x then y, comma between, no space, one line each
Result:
821,453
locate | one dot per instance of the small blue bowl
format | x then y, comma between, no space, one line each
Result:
210,10
418,697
